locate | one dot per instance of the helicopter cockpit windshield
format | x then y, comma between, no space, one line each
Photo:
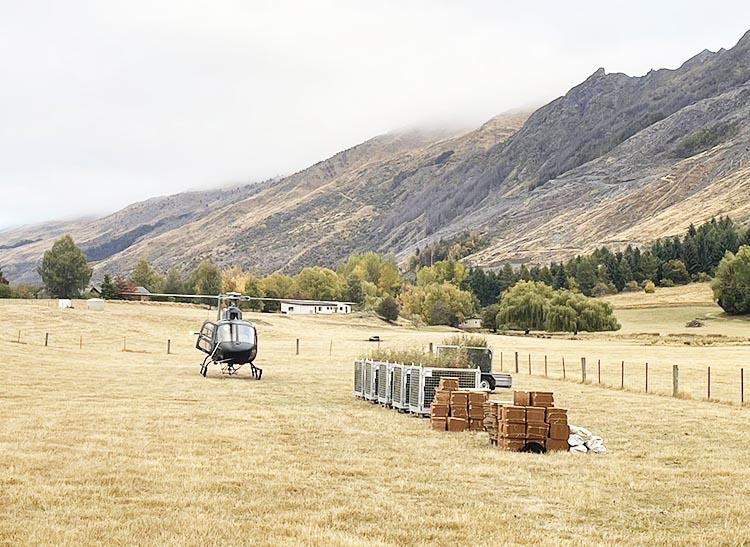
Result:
232,332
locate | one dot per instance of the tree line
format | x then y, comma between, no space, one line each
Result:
667,262
447,291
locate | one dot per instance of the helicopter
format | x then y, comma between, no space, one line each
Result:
229,342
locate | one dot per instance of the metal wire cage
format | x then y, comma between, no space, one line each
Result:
424,382
371,381
385,371
397,386
359,380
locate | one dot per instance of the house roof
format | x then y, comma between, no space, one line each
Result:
143,291
312,303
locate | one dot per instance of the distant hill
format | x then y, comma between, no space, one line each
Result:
617,160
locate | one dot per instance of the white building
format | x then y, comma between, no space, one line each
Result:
471,323
311,307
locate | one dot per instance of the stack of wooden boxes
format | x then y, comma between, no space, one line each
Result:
492,410
454,409
476,410
531,418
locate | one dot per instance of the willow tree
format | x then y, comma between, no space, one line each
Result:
532,305
524,306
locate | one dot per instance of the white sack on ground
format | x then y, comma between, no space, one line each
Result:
581,440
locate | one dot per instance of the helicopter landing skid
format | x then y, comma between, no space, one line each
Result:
230,369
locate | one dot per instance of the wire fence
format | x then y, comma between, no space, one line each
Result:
699,382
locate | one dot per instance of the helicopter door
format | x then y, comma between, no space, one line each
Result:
206,337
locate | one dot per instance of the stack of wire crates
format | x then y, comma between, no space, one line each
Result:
407,388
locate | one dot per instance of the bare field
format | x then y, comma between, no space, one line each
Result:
101,445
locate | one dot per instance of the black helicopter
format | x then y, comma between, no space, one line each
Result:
230,341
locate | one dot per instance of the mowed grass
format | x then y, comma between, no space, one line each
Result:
100,445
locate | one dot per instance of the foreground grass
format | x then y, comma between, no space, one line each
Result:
104,446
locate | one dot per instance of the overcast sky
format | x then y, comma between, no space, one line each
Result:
106,103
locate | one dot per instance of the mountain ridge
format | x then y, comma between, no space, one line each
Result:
617,160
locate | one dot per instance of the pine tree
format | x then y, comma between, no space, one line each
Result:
507,278
109,290
650,266
523,273
560,280
690,255
586,277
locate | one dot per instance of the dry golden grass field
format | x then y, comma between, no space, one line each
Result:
104,446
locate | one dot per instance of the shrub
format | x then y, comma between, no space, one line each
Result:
467,340
5,291
649,287
419,357
703,277
631,286
603,289
388,308
705,138
666,283
675,271
731,286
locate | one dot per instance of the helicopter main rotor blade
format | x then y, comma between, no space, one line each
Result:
232,297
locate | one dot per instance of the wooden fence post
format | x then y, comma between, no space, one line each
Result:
583,370
709,383
516,362
545,366
169,346
675,381
297,347
646,377
46,339
563,363
529,364
742,386
430,348
501,361
622,375
599,370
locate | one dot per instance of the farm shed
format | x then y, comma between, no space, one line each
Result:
471,323
311,307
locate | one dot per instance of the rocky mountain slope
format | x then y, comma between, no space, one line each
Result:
616,160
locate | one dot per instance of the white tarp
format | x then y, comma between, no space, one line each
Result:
64,304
